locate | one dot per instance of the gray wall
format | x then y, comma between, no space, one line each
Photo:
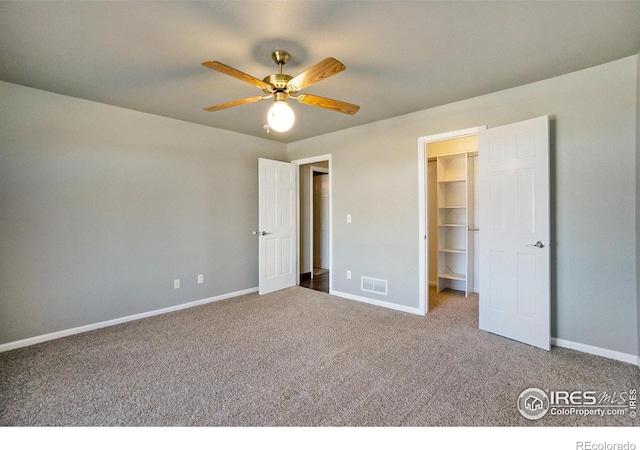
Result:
593,113
102,207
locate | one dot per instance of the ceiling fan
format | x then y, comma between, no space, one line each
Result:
281,86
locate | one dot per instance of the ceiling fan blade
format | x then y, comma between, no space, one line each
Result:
215,65
242,101
327,103
324,69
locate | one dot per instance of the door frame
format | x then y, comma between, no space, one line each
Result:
298,163
423,224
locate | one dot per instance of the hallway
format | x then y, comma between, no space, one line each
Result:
319,282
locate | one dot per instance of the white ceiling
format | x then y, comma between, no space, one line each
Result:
400,56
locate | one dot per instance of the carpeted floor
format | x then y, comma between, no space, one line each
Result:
296,358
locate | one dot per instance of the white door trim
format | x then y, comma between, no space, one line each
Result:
311,160
423,241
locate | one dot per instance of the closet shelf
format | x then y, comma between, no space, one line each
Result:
452,250
455,211
453,276
453,180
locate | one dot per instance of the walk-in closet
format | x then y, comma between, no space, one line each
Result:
452,211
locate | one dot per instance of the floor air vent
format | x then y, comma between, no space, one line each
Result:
374,285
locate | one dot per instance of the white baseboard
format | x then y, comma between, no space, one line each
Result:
107,323
611,354
371,301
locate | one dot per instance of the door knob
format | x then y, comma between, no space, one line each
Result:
261,233
538,244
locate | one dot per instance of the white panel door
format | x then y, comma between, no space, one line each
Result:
514,231
277,226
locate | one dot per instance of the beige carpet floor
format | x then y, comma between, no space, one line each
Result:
296,358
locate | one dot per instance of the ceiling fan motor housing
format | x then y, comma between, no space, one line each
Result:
279,81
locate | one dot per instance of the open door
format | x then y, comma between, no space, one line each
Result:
514,231
277,225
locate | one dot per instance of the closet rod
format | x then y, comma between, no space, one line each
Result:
469,155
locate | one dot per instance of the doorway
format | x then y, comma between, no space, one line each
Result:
513,223
448,210
314,252
452,211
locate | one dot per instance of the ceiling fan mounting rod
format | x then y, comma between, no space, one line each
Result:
279,82
280,57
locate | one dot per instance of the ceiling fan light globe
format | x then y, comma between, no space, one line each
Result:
281,117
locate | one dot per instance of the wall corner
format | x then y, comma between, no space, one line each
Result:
638,202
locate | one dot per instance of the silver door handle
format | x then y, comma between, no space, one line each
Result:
261,233
538,244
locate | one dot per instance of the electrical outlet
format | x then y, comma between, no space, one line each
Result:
348,218
348,274
200,279
176,283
